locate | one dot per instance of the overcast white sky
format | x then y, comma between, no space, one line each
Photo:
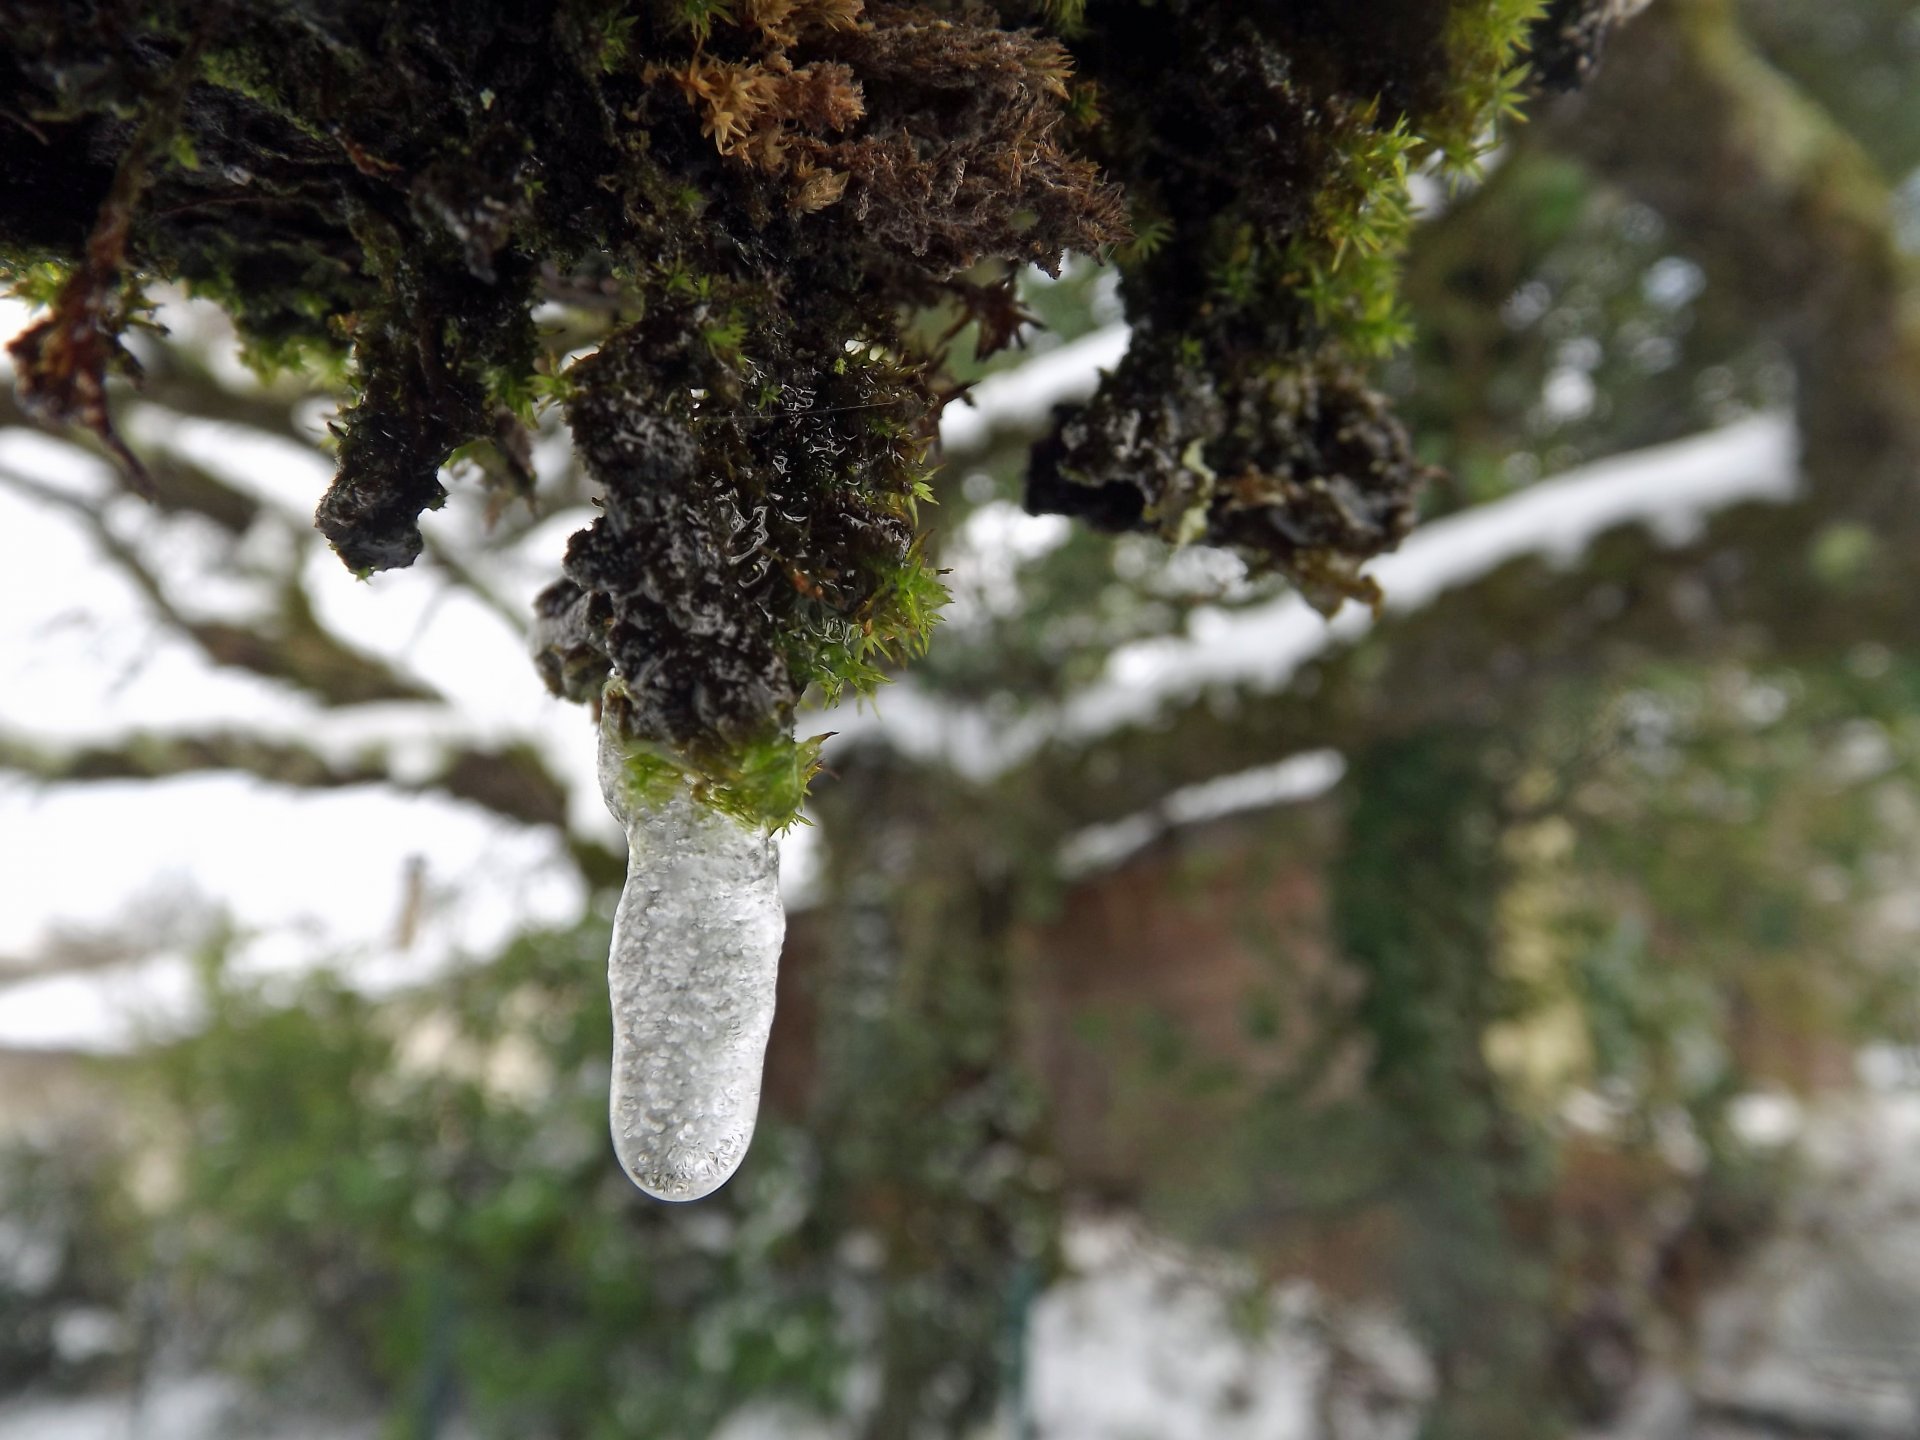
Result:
307,875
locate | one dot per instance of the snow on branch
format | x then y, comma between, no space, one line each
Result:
1670,490
1022,399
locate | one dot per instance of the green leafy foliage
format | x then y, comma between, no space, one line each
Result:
408,1206
700,16
419,1198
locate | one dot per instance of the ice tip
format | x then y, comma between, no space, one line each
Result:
684,1173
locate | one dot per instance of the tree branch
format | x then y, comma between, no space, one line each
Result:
511,781
298,651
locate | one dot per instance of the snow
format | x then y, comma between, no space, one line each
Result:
1766,1119
1141,1340
1138,1344
1143,1337
1297,778
1821,1327
182,1407
303,876
982,561
767,1422
1020,399
692,971
803,866
1094,849
1670,490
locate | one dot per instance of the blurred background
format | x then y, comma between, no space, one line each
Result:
1493,1019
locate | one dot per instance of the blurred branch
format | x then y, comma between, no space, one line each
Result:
183,486
517,618
193,392
1786,213
1489,652
1774,1424
179,484
510,781
297,650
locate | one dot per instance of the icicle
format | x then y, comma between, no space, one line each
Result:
696,950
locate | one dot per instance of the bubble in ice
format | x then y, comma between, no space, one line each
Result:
696,952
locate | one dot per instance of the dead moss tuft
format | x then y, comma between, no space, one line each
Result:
1307,472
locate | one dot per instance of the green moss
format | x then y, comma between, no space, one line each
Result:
614,40
1350,260
249,74
762,782
1351,255
1485,41
38,283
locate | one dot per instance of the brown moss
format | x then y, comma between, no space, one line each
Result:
943,135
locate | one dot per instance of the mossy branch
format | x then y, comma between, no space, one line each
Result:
758,193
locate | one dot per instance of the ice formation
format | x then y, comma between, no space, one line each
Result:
696,951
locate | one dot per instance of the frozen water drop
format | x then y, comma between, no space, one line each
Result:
696,952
